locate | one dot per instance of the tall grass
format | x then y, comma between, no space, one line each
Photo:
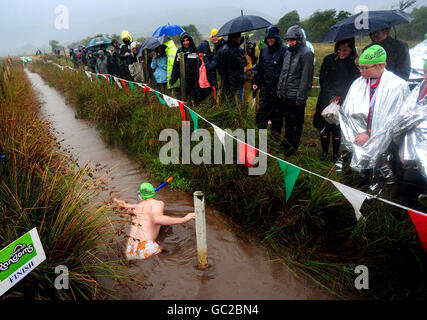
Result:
315,232
40,187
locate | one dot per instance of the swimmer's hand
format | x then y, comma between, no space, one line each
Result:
189,216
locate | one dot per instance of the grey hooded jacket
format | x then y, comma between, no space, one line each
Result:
296,77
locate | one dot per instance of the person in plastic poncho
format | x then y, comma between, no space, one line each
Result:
413,149
373,101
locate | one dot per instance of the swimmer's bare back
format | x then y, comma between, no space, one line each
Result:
149,217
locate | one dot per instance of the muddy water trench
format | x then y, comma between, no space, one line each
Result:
238,269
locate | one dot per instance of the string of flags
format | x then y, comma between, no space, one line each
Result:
247,154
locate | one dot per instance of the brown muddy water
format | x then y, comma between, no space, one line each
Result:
238,268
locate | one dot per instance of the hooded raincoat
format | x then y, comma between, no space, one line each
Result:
190,61
171,54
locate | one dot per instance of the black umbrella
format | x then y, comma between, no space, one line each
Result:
243,24
152,43
355,25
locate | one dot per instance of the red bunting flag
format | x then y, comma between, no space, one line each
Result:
124,84
181,108
146,88
247,154
420,223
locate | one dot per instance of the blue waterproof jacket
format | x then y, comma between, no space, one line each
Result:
160,71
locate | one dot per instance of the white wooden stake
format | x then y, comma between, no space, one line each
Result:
202,248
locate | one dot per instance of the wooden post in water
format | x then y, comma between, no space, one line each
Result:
202,248
182,75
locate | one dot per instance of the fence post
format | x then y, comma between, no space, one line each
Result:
182,75
146,75
202,248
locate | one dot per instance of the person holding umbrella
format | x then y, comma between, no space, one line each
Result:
231,63
337,73
398,59
266,79
296,79
190,61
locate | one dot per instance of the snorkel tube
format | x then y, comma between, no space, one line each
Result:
163,184
158,188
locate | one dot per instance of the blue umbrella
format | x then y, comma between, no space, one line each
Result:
168,30
377,20
95,44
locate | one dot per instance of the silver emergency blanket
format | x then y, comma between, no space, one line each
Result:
418,55
390,96
413,124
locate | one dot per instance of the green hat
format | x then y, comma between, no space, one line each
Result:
146,191
425,64
373,55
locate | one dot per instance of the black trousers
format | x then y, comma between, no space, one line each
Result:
269,109
325,136
294,121
203,93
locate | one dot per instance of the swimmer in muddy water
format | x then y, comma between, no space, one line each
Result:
148,217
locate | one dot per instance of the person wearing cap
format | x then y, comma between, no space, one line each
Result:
126,54
373,101
147,218
266,79
398,59
218,42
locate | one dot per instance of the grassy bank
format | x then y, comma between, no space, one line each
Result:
315,232
41,187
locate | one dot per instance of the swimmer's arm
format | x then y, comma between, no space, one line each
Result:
162,220
125,205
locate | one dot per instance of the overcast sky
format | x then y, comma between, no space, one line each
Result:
32,22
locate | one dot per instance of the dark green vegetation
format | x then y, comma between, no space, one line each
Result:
315,232
41,187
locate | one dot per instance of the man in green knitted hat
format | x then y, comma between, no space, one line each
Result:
372,102
147,218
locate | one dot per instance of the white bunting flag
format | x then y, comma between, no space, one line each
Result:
118,82
355,197
172,103
220,133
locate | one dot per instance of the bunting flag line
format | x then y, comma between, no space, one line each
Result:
124,85
290,174
220,134
247,154
195,118
160,98
355,197
420,223
146,88
182,110
172,102
118,83
290,171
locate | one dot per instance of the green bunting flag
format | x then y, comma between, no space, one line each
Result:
132,87
111,80
160,98
195,118
290,174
